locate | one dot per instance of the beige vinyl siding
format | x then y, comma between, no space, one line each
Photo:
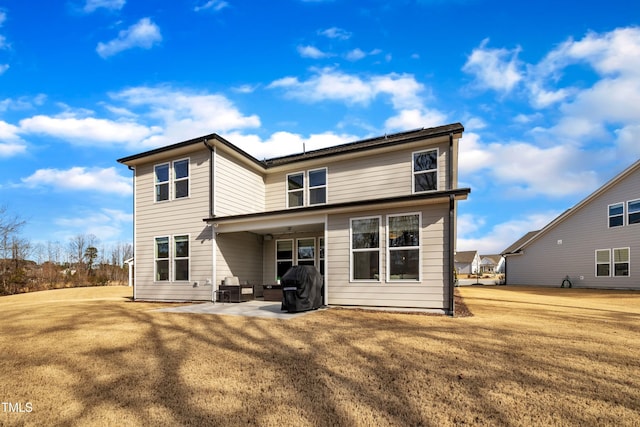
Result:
239,190
240,255
546,262
371,176
430,292
172,218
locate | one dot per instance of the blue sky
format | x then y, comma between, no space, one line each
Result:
548,92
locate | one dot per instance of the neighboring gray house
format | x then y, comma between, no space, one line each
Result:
596,243
467,262
377,217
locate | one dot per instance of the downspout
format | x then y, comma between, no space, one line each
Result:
452,218
135,282
214,244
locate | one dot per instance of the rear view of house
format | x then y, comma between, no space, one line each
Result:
596,243
376,217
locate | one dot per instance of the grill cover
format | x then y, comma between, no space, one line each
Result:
301,289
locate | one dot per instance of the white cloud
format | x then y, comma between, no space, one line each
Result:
284,143
415,118
93,5
501,235
312,52
335,33
99,180
10,142
87,130
214,5
144,34
355,55
106,224
497,69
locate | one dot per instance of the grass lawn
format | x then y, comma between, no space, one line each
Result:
527,356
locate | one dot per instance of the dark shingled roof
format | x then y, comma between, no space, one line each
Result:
521,241
365,144
465,257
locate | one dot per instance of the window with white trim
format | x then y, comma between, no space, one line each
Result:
403,250
295,189
317,186
181,179
284,257
307,251
621,262
161,259
616,215
633,212
181,258
603,262
161,177
365,248
425,171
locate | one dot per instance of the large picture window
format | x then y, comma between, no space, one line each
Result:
295,189
162,259
365,249
403,258
181,258
633,212
181,178
616,215
284,256
161,173
621,262
318,186
425,171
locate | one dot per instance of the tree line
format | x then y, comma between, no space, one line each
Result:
81,261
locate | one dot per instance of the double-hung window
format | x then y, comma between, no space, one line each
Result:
284,256
181,258
161,173
633,212
365,248
621,262
425,171
403,258
318,186
181,178
162,259
295,189
616,215
307,251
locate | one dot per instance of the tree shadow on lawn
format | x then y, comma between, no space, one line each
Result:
335,367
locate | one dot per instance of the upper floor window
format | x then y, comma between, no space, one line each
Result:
171,180
616,215
425,171
181,178
295,189
307,188
318,186
161,173
633,212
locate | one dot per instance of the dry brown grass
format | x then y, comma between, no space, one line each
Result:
527,356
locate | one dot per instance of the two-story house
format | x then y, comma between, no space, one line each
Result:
377,218
596,243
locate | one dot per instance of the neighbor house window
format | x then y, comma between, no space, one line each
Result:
306,251
181,258
295,189
162,259
621,262
616,215
365,248
633,212
403,258
181,178
284,257
318,186
603,263
425,171
161,173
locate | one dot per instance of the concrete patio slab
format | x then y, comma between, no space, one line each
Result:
255,308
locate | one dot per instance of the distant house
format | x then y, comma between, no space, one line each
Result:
377,217
596,243
489,263
467,262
